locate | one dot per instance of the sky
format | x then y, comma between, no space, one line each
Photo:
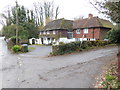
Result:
69,9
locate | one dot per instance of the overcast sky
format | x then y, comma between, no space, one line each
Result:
69,9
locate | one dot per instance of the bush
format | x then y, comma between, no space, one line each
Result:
76,46
16,48
114,36
61,43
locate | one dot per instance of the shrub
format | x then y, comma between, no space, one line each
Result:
16,48
61,43
114,35
85,45
76,46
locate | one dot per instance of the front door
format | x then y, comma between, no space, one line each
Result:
33,41
42,40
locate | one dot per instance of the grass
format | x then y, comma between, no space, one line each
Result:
31,48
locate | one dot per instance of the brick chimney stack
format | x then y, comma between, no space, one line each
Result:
90,15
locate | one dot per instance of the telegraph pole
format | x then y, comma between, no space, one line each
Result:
16,23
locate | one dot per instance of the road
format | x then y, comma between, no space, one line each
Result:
36,70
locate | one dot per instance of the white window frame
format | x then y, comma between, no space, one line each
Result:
86,31
48,32
54,32
77,39
44,32
78,31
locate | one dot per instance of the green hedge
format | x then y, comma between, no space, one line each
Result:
76,46
16,48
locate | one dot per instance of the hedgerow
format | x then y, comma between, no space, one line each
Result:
76,46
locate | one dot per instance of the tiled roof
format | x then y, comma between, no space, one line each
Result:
92,22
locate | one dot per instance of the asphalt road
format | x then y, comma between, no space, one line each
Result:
35,70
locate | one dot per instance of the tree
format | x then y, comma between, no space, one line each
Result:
21,15
26,20
23,34
10,31
78,18
57,12
114,35
38,10
109,8
112,10
7,16
45,12
32,30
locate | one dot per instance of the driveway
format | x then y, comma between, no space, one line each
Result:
38,51
35,70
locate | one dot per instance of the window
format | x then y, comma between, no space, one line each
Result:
48,32
70,35
53,32
78,31
40,33
48,39
77,39
44,32
86,30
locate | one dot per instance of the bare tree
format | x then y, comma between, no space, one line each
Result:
38,10
45,12
78,18
6,15
2,22
56,12
48,11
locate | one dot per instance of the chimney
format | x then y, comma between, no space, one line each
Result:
90,15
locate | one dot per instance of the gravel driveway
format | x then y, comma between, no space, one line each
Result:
34,70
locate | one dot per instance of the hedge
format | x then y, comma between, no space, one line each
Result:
76,46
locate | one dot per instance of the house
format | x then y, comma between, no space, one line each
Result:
56,31
91,28
34,41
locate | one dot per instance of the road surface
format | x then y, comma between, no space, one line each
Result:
35,70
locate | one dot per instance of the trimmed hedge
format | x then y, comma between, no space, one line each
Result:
76,46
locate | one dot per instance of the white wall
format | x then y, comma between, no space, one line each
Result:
37,41
66,40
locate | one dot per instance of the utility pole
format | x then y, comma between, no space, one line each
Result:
16,23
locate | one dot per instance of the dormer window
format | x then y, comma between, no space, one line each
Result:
44,32
85,30
53,32
48,32
78,31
